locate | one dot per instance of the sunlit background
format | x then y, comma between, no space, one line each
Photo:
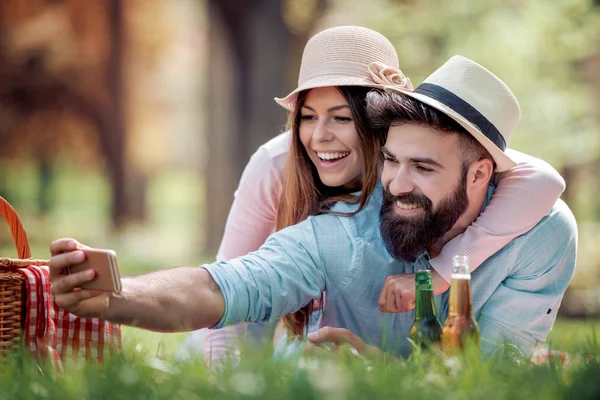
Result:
126,124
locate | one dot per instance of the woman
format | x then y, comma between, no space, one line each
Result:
327,154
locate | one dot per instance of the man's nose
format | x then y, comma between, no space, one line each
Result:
401,183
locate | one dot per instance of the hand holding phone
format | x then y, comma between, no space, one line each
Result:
104,262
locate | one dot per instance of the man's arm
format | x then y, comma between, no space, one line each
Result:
523,307
169,300
282,276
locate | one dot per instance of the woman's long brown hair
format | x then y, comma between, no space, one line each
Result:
303,193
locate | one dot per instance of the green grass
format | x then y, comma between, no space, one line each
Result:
567,335
139,374
575,335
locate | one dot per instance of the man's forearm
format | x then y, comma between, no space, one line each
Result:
176,299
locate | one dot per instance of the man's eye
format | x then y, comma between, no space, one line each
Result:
388,159
424,169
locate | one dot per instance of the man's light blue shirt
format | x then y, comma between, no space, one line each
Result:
516,292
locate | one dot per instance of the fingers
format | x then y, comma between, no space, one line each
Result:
337,336
329,334
62,260
66,288
67,283
66,244
83,303
407,302
393,295
67,259
387,298
69,301
383,295
398,293
340,336
62,245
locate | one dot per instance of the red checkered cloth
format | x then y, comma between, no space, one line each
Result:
51,332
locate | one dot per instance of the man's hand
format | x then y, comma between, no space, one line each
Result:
66,288
339,336
398,293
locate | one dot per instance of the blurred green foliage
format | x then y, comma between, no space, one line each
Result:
80,208
538,47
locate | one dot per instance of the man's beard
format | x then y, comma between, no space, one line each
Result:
408,237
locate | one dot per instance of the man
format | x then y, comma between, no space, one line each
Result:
444,142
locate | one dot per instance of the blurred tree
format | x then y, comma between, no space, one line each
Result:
251,41
63,60
115,142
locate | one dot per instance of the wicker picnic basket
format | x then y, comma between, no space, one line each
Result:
12,283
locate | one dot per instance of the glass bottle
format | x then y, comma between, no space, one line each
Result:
460,329
426,329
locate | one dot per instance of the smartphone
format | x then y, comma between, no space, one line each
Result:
107,270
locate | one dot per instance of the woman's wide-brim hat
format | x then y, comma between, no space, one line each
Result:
347,56
476,99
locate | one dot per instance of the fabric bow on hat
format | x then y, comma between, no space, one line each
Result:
389,76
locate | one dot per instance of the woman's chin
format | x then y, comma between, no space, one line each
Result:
346,182
333,181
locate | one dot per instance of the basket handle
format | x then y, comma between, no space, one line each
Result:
16,228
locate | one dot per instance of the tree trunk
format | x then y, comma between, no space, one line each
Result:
269,42
116,132
569,175
225,94
247,69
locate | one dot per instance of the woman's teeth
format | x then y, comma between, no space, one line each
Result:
406,206
332,156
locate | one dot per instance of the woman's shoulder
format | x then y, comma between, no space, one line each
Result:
274,152
277,146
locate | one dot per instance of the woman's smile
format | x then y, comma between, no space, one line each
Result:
329,159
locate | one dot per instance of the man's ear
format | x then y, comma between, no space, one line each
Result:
480,173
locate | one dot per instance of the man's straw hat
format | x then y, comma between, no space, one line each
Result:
347,56
476,99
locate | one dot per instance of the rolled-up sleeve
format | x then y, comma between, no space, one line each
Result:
523,308
282,276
